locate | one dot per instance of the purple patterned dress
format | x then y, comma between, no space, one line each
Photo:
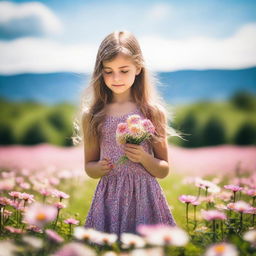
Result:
128,195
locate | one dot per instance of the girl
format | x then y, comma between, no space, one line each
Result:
126,195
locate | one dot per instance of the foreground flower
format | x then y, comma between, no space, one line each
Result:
85,234
34,229
59,205
33,241
105,238
221,249
252,211
14,230
213,215
39,214
45,192
54,236
195,204
250,236
8,248
206,185
251,192
15,194
241,206
155,251
187,199
234,188
92,235
75,249
28,198
130,240
70,222
5,201
225,195
59,194
165,235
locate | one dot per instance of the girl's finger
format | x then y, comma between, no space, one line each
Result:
130,145
131,151
131,154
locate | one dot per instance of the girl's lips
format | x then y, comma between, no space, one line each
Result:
118,84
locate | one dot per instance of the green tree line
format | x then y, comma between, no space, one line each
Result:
202,123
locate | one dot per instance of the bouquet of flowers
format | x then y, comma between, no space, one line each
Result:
135,130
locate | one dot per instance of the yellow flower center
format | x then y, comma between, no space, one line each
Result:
105,240
41,216
85,237
219,248
135,129
167,239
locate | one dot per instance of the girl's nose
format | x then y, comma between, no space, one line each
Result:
116,77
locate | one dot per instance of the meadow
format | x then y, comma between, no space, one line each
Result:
42,213
43,206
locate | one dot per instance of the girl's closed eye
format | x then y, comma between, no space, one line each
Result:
123,71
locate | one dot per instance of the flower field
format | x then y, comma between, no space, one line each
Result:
43,210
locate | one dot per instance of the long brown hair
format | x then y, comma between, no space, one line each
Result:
90,116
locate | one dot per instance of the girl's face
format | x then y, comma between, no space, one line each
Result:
119,73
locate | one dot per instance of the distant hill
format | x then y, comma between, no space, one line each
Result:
179,87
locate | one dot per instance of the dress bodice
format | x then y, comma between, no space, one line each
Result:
111,149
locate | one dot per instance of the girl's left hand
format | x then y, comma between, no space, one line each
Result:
134,152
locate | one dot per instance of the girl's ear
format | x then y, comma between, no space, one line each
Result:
138,71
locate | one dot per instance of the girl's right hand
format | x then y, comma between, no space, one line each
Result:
105,166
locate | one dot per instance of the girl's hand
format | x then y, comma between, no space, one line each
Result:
105,166
134,152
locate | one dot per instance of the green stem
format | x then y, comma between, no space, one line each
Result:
214,230
57,218
195,213
195,222
222,231
234,196
206,191
0,219
187,213
199,190
241,221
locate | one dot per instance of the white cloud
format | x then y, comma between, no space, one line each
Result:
159,11
27,19
237,51
41,55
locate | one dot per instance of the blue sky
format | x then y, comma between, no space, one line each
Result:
190,34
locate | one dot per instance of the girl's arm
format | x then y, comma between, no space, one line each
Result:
157,165
94,167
